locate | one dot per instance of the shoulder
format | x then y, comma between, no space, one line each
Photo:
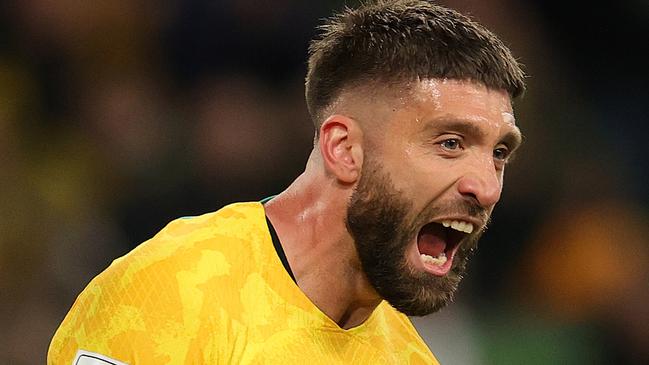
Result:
160,290
190,236
231,220
201,247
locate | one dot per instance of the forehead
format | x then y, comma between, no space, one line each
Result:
408,112
464,100
386,111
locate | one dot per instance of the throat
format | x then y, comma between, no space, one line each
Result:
431,245
432,240
356,315
346,298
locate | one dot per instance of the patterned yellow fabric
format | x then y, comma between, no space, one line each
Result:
212,290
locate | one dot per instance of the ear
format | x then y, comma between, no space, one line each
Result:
341,148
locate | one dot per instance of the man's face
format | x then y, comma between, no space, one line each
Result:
429,182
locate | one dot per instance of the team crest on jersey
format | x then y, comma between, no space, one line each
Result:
84,357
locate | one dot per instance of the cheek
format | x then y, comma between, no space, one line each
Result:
430,176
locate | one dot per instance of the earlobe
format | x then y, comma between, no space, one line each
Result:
341,148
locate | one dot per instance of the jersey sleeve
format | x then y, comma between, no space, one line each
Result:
107,320
149,307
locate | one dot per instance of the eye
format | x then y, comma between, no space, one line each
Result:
501,154
451,144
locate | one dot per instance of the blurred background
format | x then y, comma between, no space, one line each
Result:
119,116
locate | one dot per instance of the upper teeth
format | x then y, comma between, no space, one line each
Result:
465,227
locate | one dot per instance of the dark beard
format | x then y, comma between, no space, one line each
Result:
378,219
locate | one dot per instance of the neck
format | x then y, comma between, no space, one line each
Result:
309,217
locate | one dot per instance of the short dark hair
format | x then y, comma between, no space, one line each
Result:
403,40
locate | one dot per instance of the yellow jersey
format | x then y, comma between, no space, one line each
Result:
212,290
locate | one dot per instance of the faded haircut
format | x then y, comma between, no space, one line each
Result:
395,41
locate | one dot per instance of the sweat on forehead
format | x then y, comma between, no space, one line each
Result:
392,93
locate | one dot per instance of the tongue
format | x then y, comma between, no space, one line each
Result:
432,240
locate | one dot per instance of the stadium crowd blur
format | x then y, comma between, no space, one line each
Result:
119,116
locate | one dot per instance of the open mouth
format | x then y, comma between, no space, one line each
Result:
438,242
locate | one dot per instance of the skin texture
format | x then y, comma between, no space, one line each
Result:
382,167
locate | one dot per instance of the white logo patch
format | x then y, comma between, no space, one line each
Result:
84,357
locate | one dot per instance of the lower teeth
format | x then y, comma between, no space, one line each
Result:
439,260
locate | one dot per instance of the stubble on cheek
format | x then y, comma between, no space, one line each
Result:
383,227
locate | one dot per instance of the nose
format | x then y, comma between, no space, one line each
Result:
484,186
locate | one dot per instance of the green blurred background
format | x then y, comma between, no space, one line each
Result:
119,116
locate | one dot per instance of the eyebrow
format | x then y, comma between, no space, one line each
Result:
513,138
